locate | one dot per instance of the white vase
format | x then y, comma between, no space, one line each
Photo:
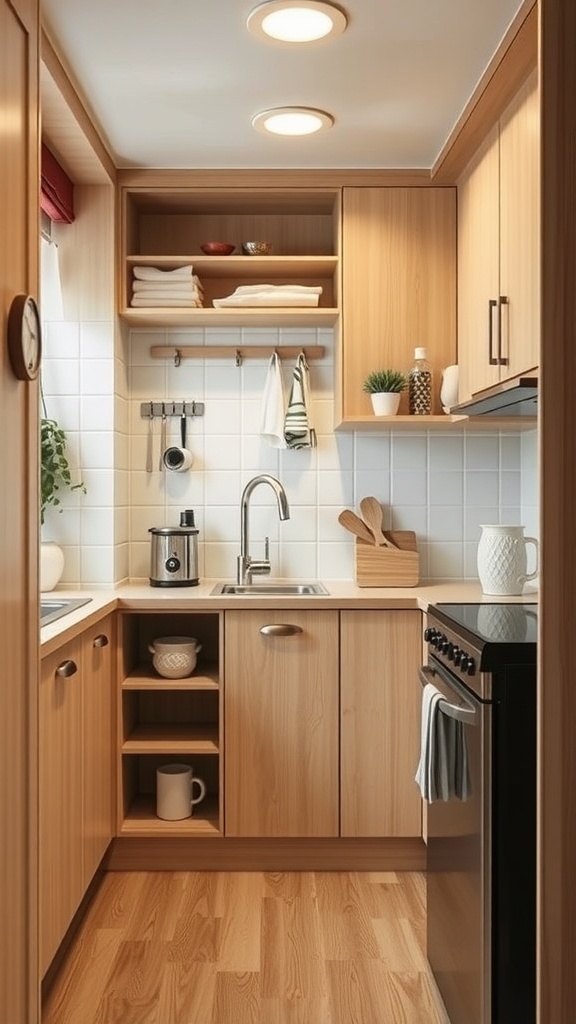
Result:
385,403
449,387
51,565
502,560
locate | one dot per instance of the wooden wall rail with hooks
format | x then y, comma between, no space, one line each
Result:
236,352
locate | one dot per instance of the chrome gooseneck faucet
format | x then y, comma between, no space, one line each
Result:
248,566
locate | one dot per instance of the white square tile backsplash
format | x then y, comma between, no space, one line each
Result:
443,485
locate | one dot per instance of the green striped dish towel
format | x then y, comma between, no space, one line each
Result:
298,431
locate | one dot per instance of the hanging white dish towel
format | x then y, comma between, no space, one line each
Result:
298,430
272,421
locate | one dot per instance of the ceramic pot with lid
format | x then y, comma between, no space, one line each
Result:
174,553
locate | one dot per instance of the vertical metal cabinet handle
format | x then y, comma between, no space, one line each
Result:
280,629
501,360
492,359
101,640
66,669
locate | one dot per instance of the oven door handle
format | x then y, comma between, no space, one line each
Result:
465,715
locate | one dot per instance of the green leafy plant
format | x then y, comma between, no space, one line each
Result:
55,474
385,380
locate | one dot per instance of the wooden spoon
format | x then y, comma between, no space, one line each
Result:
350,521
371,510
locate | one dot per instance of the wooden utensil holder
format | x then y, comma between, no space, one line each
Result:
388,567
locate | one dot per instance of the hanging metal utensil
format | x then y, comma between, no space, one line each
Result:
162,438
150,440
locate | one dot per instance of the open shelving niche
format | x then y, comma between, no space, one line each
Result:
164,720
165,227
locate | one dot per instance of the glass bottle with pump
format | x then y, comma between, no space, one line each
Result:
420,385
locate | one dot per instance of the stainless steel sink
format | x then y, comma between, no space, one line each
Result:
54,608
273,589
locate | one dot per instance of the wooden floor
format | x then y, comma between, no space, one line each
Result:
249,948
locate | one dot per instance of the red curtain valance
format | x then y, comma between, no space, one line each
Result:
56,191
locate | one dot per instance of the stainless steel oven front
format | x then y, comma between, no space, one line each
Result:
458,862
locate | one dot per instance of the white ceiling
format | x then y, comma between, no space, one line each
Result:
175,83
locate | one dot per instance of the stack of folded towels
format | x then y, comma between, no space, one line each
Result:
155,287
272,295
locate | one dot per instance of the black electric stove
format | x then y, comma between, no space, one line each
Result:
481,852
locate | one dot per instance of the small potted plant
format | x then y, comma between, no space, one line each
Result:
385,388
55,476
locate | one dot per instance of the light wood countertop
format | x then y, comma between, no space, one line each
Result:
140,596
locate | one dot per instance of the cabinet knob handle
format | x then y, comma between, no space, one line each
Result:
66,669
101,640
280,629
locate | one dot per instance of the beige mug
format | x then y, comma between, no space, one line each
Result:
174,791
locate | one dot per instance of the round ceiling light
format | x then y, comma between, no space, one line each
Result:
296,21
292,121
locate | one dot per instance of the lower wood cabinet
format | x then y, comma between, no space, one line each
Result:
380,731
75,762
281,712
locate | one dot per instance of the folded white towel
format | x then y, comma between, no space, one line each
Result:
268,299
296,289
298,431
141,300
155,274
442,771
162,285
169,293
272,417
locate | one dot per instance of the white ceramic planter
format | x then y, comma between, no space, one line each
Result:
385,403
51,565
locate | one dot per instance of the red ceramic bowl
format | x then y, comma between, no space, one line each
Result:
217,248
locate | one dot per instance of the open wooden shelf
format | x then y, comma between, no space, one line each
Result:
141,819
172,738
144,677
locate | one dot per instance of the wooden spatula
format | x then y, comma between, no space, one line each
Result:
371,510
350,521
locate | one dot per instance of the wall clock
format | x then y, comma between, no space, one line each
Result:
24,337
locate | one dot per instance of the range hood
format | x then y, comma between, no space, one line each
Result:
516,397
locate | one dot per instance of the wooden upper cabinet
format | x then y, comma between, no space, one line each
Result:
498,250
281,700
398,286
520,230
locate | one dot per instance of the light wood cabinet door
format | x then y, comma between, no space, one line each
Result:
60,752
281,724
520,230
479,269
97,753
380,725
399,285
498,250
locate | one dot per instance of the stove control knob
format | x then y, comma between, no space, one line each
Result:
471,666
456,656
463,663
439,641
429,634
452,652
447,647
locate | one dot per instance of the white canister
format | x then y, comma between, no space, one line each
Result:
174,791
502,559
449,387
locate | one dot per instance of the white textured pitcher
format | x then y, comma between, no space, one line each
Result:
502,560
